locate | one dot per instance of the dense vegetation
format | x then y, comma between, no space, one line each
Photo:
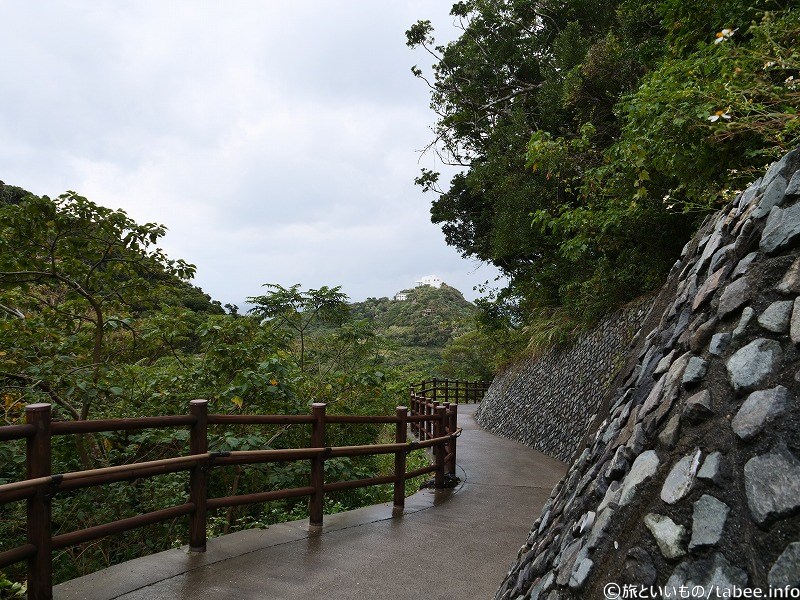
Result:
593,136
96,320
427,334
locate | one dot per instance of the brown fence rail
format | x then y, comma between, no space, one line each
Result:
439,398
453,391
41,485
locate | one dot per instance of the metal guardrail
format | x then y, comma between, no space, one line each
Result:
41,486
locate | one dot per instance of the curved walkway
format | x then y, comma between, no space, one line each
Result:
448,544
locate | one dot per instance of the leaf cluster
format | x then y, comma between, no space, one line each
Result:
97,320
418,330
594,138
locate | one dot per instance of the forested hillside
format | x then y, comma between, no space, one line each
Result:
98,321
430,333
593,138
429,317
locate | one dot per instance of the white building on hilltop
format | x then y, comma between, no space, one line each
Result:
432,280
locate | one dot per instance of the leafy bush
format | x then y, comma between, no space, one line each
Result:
96,320
595,137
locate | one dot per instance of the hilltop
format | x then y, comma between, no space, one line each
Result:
420,327
428,317
98,322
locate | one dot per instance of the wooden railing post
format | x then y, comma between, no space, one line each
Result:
435,389
423,425
421,410
317,465
198,478
39,464
400,437
446,391
445,431
414,410
431,425
439,449
453,426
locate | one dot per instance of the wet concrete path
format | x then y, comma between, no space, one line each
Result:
451,544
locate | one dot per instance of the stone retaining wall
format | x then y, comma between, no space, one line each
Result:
550,402
693,479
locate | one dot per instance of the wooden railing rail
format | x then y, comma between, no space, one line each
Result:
41,485
454,391
428,396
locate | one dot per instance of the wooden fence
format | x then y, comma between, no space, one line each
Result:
424,401
450,390
41,485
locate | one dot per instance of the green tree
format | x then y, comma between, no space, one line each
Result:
520,68
595,136
469,357
71,275
11,194
299,310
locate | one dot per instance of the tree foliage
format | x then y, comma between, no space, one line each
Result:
98,321
418,330
594,135
298,310
72,274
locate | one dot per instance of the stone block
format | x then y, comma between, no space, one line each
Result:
719,343
669,536
644,467
785,573
790,284
782,229
776,316
773,196
754,364
698,407
734,296
708,521
681,478
760,408
713,469
772,485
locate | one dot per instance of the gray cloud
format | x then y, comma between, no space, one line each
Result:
276,140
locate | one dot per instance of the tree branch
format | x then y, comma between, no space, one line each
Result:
45,386
12,311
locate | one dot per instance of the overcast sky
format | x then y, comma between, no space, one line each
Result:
277,140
